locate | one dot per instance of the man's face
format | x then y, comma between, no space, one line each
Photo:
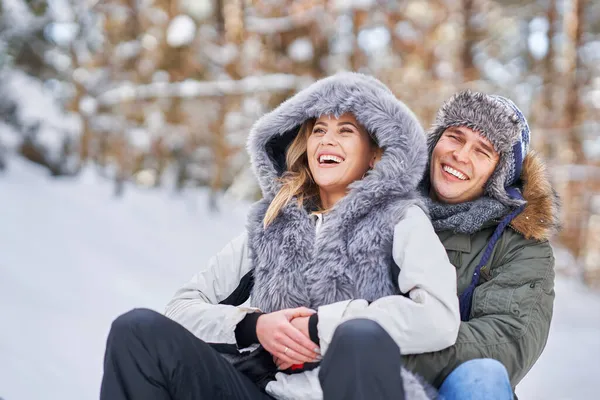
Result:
461,164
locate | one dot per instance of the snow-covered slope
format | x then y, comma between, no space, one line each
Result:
72,258
569,367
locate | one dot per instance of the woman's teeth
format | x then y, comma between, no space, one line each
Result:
328,157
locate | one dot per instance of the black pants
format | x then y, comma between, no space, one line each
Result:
148,356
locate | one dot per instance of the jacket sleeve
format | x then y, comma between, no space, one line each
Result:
510,316
427,319
196,305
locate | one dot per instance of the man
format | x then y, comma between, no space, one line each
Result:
493,208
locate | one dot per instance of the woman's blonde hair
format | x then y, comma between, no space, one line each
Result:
297,180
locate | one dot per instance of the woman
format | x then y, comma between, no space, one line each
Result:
339,230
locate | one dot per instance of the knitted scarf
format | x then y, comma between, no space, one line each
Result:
466,217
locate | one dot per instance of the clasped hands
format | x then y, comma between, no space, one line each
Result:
285,335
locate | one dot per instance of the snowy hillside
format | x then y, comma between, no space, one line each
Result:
568,368
73,257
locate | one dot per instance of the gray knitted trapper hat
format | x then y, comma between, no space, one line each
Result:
500,121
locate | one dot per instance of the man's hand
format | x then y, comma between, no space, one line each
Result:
285,342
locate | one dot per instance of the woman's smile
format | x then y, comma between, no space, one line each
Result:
327,159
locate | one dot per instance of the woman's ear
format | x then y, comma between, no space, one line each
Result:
376,157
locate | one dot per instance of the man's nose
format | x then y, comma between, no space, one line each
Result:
461,154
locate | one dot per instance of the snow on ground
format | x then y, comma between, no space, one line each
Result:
568,369
72,258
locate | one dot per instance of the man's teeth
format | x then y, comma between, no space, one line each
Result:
454,172
328,157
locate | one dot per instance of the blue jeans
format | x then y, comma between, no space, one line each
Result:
482,378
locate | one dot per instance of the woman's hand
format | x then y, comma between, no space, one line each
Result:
279,337
301,323
282,366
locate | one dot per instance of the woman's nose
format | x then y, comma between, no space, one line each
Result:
328,138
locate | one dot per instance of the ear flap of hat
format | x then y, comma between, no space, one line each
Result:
495,187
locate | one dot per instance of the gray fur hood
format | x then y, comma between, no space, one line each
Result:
392,124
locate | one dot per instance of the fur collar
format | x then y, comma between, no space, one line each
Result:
540,218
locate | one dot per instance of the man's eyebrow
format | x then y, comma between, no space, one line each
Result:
480,140
456,129
485,146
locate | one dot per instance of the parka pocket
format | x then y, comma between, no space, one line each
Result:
496,298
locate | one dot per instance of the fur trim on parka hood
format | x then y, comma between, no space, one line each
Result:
540,219
391,123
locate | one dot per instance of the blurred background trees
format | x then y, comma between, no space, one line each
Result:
163,92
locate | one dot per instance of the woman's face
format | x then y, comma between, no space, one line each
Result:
339,152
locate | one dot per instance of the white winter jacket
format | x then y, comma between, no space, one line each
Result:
426,320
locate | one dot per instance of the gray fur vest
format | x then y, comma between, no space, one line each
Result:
351,257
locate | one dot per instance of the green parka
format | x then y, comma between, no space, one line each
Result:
512,304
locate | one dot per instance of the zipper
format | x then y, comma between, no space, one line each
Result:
511,227
516,230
